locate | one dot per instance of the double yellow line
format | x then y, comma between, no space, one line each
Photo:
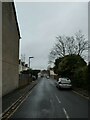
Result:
11,110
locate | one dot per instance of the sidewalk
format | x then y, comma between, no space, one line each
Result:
10,98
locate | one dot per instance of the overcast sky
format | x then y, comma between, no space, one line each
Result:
41,22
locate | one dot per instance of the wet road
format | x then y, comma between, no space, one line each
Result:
46,101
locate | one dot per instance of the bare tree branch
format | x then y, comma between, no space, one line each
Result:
82,44
67,45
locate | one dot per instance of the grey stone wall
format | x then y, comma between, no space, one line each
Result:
10,49
24,79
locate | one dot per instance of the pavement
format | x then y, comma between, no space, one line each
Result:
46,101
12,97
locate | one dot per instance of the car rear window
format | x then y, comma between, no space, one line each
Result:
65,80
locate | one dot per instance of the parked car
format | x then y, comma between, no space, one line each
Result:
64,83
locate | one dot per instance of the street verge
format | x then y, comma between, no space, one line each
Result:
82,93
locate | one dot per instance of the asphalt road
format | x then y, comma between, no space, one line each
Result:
46,101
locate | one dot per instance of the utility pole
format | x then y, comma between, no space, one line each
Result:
29,60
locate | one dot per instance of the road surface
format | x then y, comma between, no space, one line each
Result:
46,101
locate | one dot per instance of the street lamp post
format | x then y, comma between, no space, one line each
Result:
29,60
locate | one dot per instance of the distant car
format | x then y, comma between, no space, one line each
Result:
41,75
64,83
47,77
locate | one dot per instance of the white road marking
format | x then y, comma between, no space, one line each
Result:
58,99
66,114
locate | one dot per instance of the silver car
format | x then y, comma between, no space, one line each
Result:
64,83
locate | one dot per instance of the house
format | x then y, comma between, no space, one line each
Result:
0,50
52,74
22,66
10,48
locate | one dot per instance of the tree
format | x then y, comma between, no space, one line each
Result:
75,68
80,77
56,63
59,49
68,45
69,64
81,44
